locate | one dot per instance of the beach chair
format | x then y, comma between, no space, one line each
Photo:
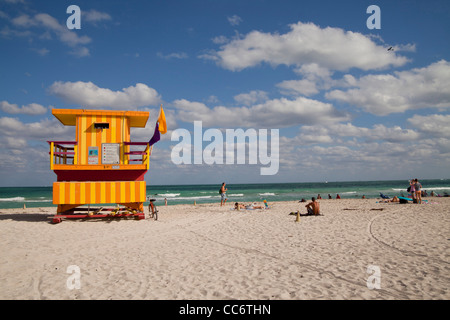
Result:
384,196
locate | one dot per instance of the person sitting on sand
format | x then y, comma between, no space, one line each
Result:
313,207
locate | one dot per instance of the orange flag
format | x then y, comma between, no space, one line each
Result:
162,121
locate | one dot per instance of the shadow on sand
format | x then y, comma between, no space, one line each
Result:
27,217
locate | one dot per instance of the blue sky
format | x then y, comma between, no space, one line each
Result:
346,107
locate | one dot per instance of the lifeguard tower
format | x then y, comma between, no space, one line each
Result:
100,167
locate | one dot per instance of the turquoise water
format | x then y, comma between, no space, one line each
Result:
16,197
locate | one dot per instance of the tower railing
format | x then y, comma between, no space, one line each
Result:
65,152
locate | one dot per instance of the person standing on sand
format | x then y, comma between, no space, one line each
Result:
418,188
412,187
223,195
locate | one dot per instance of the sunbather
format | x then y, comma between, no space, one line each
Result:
394,199
238,206
250,206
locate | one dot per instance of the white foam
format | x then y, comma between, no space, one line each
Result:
424,188
190,198
13,199
169,195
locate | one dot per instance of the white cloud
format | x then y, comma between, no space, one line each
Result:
315,78
87,94
174,55
276,113
378,132
344,150
7,32
46,21
3,15
436,125
30,109
212,99
220,40
24,147
42,51
41,131
383,94
306,43
15,1
94,16
80,52
333,134
252,97
305,87
234,20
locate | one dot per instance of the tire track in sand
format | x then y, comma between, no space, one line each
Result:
391,247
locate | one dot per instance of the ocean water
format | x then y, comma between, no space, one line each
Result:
16,197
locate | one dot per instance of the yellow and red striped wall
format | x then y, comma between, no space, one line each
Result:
88,136
99,192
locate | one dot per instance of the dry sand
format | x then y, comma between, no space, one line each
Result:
212,252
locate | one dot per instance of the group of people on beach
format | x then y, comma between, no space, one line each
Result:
320,197
237,206
329,196
415,188
312,208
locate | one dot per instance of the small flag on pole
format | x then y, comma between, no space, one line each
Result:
162,121
160,127
156,136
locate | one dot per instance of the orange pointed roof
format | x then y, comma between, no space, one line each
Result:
68,116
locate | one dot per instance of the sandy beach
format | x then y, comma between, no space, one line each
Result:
358,249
